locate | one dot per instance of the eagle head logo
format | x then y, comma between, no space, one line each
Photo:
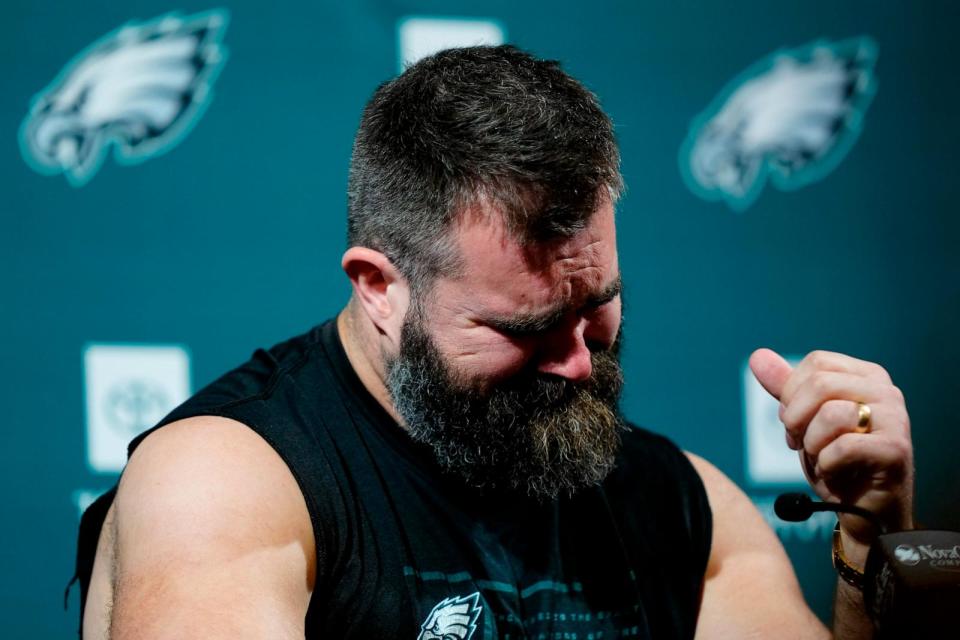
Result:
140,88
791,116
452,619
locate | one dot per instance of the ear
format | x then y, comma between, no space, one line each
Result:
383,293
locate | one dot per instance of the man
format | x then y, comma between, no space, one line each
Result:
446,459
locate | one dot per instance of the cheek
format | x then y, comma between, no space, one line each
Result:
487,354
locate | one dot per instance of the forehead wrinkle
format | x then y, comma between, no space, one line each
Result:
548,293
512,276
585,245
536,321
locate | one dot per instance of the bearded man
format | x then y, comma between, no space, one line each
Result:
446,459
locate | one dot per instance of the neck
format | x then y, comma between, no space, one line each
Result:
361,343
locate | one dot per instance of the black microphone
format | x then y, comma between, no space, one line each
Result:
911,582
797,507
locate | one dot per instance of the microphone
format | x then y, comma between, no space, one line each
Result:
911,582
797,507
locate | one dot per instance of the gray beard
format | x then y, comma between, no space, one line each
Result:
534,433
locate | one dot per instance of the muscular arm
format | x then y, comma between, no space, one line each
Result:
213,538
862,460
750,588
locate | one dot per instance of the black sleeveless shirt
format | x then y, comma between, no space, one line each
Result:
405,551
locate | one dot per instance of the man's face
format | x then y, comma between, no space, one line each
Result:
510,371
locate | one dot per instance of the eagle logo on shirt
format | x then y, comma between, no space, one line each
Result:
452,619
792,117
139,89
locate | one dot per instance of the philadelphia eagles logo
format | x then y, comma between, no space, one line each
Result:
791,116
139,89
452,619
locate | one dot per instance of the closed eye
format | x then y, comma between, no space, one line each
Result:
521,328
524,326
596,304
519,331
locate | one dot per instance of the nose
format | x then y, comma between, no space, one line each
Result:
566,354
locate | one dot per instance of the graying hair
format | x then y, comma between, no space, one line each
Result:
476,124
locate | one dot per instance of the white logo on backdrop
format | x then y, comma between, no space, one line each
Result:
769,460
791,117
140,89
420,37
129,388
771,463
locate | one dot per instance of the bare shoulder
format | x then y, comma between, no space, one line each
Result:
750,589
211,533
730,504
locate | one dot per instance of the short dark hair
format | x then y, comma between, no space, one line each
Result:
476,123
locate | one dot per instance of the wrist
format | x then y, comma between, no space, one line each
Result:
854,550
848,569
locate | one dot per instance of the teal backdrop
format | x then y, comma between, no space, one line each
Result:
230,239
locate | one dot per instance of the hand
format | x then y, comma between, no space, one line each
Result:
819,409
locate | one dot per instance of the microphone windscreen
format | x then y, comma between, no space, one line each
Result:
793,507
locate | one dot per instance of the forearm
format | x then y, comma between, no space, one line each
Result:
850,619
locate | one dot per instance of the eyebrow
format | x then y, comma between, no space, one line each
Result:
535,322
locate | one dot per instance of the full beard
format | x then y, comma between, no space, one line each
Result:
534,433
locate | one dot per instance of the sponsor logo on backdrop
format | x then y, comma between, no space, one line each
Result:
134,403
768,459
129,388
452,619
790,117
419,37
139,90
771,464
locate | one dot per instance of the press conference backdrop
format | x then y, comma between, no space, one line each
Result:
174,197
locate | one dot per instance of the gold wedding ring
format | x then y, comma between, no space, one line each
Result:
863,418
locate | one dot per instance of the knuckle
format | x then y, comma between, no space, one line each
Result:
880,372
902,419
905,425
902,448
820,381
894,393
817,358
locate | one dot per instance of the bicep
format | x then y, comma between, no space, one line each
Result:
750,589
213,538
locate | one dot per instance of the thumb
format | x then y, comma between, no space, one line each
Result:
770,370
